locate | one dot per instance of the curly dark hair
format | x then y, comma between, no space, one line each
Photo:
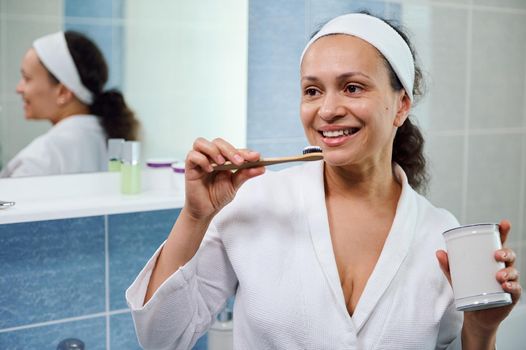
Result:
408,145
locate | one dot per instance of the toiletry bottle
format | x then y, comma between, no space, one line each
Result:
131,168
157,175
220,334
115,154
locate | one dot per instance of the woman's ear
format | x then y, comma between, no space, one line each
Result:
404,105
64,95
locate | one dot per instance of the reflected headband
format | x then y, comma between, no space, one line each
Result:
379,34
53,52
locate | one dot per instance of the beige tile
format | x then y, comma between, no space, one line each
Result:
445,156
32,7
20,35
498,70
507,4
494,179
447,70
18,132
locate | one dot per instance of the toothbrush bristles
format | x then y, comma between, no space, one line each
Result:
311,149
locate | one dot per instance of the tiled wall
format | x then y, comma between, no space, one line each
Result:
474,116
66,279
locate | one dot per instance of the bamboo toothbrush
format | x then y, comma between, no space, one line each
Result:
310,153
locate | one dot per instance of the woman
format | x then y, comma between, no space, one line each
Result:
63,77
336,254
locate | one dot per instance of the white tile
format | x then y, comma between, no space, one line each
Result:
445,155
494,179
498,70
31,7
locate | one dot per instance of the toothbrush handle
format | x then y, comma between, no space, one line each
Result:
268,161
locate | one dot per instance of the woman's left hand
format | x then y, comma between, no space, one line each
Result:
488,320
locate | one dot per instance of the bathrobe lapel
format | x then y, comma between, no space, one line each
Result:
393,253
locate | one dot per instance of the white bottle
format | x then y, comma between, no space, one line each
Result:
220,334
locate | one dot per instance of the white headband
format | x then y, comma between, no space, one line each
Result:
379,34
53,52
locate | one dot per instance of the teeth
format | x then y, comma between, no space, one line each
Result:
338,133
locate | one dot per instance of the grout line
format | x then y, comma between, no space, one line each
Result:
465,174
65,320
107,280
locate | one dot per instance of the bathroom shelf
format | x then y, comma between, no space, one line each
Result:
81,195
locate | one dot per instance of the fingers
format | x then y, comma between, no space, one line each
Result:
218,151
504,229
443,261
509,274
514,288
506,255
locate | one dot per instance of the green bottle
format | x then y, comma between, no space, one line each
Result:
115,154
131,168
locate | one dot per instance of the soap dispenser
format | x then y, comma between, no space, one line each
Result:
131,168
115,154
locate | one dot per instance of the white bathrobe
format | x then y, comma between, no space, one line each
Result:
76,144
271,248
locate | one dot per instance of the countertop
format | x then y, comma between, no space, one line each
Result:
79,195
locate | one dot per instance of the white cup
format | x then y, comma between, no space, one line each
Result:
471,251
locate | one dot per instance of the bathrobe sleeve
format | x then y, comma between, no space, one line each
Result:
184,306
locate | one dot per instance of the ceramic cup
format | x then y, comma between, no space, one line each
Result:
471,251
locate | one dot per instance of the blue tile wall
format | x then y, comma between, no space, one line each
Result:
123,333
276,39
92,332
133,239
56,268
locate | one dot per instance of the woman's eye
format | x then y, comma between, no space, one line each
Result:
353,89
311,92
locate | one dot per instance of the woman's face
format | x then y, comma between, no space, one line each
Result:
348,107
39,93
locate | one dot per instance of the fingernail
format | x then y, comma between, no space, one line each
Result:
508,285
220,159
238,158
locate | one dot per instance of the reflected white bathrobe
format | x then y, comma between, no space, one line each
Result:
271,247
76,144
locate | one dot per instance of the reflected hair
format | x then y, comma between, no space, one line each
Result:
115,117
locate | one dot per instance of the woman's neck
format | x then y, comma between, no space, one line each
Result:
373,183
69,110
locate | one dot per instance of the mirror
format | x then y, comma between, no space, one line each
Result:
181,66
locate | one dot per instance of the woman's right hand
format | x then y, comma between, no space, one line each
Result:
207,191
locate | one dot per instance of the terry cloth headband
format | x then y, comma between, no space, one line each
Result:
379,34
53,52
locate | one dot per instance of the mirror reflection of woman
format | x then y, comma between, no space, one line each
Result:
63,76
337,254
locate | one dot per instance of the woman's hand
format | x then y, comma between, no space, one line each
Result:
487,321
208,191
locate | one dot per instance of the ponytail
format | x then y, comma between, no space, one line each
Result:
117,120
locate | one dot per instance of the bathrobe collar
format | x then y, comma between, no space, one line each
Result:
395,249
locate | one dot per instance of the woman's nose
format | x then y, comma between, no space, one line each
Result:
20,86
331,107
